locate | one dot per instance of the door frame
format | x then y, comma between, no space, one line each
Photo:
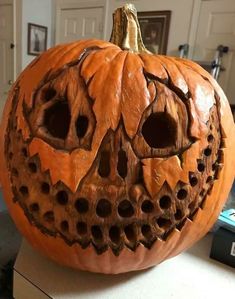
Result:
64,4
194,26
17,34
17,19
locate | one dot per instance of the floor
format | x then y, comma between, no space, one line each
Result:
10,241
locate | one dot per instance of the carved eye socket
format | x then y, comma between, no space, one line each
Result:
160,130
57,119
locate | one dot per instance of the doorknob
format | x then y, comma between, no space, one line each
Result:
10,82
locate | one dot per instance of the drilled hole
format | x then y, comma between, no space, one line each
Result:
57,119
62,197
182,194
49,94
64,225
160,130
24,152
202,193
165,202
82,126
81,228
201,167
97,233
122,163
130,233
209,179
103,208
179,215
147,206
193,181
207,152
125,208
210,138
214,166
220,156
49,217
115,235
34,207
32,167
192,206
104,165
82,205
146,231
45,188
222,143
24,190
217,172
14,172
164,223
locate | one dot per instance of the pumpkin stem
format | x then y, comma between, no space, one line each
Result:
126,30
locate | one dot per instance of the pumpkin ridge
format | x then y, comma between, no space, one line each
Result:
174,73
134,88
110,112
86,65
168,82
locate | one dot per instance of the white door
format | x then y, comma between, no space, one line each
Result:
6,52
80,23
216,26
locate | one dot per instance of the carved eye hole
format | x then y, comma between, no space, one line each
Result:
57,119
160,130
82,126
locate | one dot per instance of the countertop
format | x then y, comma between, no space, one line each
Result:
190,275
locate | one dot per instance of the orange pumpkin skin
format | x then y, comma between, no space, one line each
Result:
123,90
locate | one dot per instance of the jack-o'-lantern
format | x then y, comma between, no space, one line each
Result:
115,159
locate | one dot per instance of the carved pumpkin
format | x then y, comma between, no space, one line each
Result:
115,159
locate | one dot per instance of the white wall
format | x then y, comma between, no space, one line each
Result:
38,12
181,16
42,12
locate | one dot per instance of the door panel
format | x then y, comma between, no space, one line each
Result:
6,53
216,26
82,23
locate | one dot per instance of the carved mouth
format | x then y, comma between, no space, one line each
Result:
112,206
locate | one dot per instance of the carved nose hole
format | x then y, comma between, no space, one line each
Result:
104,165
122,163
160,130
82,126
